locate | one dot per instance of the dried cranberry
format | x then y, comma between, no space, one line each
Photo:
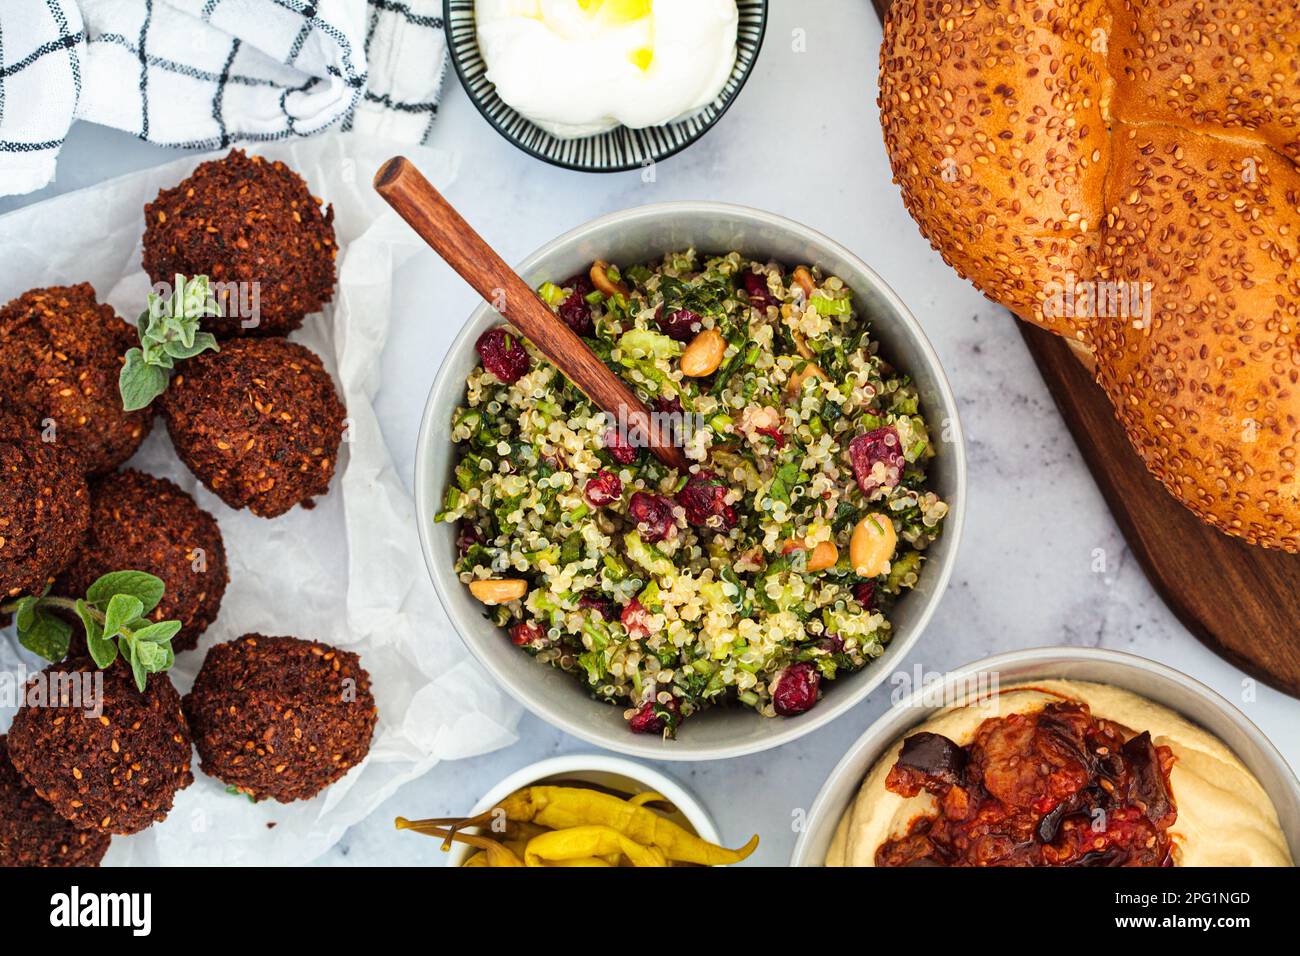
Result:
671,417
580,283
503,354
595,601
878,446
574,310
672,405
619,449
679,324
525,633
704,498
773,433
647,721
635,618
603,489
467,535
795,689
653,515
865,592
756,286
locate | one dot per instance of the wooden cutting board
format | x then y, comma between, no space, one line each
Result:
1241,601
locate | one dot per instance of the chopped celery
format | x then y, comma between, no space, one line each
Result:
642,343
593,662
647,555
828,306
649,597
552,294
615,567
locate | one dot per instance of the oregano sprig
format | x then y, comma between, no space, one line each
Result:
114,613
169,332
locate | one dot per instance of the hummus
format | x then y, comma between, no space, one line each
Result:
1224,817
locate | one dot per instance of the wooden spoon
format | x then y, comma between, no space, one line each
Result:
437,223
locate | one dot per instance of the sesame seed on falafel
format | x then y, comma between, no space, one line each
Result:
242,219
44,508
111,763
259,423
280,717
32,834
149,524
62,353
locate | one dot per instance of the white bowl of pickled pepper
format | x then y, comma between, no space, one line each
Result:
584,810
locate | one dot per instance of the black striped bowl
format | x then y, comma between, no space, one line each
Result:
619,149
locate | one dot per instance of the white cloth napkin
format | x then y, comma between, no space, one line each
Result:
203,74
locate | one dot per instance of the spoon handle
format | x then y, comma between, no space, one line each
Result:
436,222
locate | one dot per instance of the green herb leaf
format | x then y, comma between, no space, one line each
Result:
47,636
160,633
202,342
122,610
139,382
25,613
146,588
150,655
169,330
102,650
138,670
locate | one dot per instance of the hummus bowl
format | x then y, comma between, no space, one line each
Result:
1188,699
636,236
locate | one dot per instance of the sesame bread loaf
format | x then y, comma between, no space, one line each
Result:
1124,173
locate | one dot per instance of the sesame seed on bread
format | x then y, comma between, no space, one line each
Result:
1040,142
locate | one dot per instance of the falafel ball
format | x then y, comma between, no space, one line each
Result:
32,834
62,353
109,761
280,717
44,508
243,219
259,423
143,523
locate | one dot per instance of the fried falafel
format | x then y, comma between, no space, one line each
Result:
32,834
44,508
259,423
243,219
62,353
280,717
111,763
143,523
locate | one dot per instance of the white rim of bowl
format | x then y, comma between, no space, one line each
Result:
954,523
1020,658
659,143
691,808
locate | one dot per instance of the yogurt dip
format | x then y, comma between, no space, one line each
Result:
582,67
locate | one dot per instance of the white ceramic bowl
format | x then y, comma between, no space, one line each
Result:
640,235
1159,683
607,771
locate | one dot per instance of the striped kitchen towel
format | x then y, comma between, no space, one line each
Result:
203,74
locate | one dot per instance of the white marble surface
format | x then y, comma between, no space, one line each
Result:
804,141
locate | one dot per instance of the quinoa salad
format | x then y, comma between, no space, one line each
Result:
755,579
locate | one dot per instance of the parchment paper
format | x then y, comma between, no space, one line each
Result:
348,572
